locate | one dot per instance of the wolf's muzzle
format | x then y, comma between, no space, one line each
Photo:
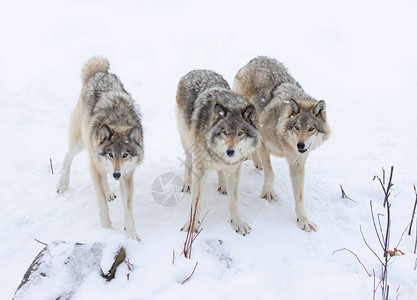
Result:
117,175
302,147
230,152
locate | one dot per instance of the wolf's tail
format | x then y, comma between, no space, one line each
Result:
93,66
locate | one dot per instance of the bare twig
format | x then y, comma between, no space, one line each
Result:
50,165
192,233
389,185
41,242
173,256
356,258
369,247
192,273
414,211
380,227
344,196
373,298
129,264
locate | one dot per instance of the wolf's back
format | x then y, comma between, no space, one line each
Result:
93,66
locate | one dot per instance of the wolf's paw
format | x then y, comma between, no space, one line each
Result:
258,166
110,196
270,196
306,225
186,188
222,189
61,188
240,227
131,234
187,226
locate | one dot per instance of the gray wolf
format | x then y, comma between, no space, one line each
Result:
292,124
106,122
217,132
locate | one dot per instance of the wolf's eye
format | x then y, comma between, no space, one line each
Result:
296,127
240,133
111,155
311,129
224,132
125,155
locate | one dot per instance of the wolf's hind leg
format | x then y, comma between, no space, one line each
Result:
256,160
193,222
268,188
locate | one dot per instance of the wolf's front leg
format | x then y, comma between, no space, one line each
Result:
232,180
221,185
110,196
103,208
297,173
188,166
74,148
199,177
126,189
268,188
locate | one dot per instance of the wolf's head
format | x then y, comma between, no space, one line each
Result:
120,148
306,125
233,135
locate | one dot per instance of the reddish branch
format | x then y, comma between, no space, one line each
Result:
192,233
192,273
41,242
356,258
388,187
414,211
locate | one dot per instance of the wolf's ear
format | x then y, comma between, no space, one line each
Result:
133,134
219,112
294,107
105,133
249,113
319,110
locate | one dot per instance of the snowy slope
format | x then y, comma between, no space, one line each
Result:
360,56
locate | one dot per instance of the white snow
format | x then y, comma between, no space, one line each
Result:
359,56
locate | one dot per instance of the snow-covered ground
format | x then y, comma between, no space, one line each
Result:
360,56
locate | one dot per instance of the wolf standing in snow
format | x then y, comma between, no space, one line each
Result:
217,133
291,123
106,121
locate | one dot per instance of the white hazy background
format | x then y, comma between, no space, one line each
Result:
360,56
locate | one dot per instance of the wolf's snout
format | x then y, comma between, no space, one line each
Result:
230,152
301,146
117,175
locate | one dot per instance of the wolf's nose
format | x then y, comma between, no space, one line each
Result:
300,146
117,175
230,152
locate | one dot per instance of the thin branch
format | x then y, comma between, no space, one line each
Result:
414,211
41,242
50,164
129,264
366,243
402,236
344,196
192,273
376,230
356,258
173,256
